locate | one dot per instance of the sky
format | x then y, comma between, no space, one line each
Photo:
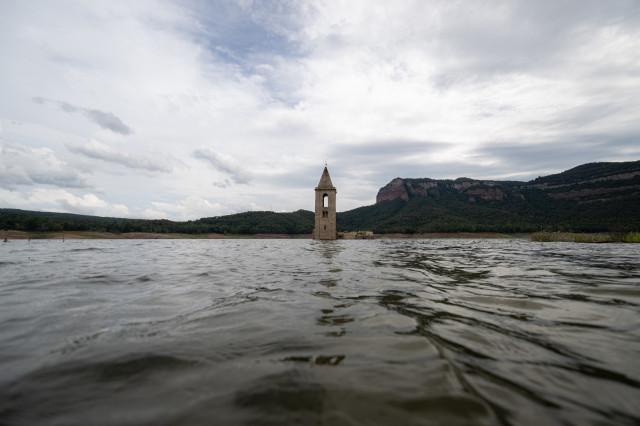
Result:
190,109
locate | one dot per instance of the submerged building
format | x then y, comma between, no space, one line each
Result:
325,226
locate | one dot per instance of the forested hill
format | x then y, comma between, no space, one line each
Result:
589,198
299,222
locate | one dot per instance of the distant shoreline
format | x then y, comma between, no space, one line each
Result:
92,235
631,237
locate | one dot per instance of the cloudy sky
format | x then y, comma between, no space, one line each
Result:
187,109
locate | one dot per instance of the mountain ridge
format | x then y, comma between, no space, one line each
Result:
603,196
593,197
582,175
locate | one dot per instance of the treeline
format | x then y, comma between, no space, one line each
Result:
299,222
451,211
589,171
596,197
450,214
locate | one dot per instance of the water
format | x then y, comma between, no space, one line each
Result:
403,332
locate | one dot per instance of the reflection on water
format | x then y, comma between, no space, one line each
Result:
319,332
327,248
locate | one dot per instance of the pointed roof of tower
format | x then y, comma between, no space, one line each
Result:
325,180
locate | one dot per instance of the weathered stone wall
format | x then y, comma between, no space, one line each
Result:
325,223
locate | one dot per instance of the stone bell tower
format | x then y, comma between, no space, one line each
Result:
325,209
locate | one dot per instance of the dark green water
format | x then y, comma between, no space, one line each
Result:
418,332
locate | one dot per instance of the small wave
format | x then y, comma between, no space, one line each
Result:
283,394
141,365
331,360
109,370
86,249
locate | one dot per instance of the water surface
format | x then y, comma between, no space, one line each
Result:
411,332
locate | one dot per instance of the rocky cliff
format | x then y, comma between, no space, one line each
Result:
590,198
584,184
395,189
474,189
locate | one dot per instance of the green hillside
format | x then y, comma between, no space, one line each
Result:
589,198
595,197
299,222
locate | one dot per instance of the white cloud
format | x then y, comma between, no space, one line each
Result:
60,200
225,164
104,119
192,207
25,166
99,151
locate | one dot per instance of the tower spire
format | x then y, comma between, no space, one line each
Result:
325,180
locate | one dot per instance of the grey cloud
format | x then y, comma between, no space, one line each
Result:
385,159
62,178
522,36
380,162
20,165
561,153
108,121
575,119
298,179
68,207
504,161
383,149
222,184
67,107
225,164
100,151
104,119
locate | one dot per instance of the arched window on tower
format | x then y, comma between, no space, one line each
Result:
325,200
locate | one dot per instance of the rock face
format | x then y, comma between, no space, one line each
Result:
474,189
394,189
488,194
586,194
583,184
594,197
